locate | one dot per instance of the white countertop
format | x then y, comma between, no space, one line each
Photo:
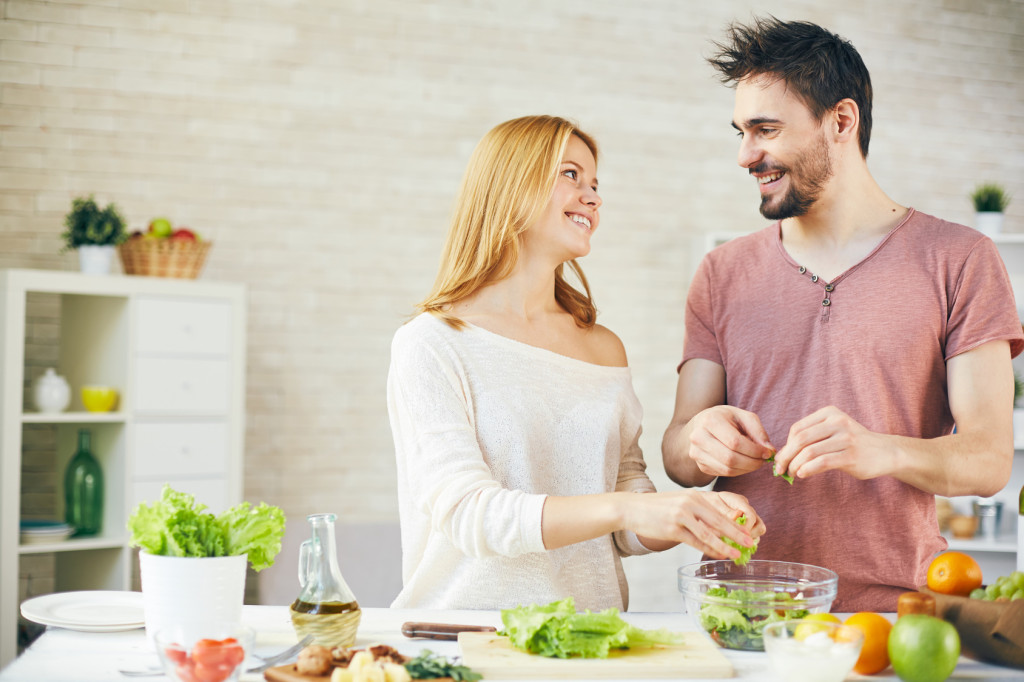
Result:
67,655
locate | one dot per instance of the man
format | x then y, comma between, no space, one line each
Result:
846,339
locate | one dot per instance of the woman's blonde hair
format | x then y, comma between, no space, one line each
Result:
508,183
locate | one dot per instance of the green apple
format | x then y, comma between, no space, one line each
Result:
923,648
161,227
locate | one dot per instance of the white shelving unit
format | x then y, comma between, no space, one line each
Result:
175,349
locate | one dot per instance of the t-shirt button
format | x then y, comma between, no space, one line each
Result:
826,303
814,278
829,287
802,269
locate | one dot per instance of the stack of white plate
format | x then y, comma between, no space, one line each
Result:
88,611
35,532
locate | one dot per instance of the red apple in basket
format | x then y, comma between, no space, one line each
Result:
185,234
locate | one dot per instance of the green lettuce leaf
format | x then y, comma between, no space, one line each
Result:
745,552
786,477
176,525
556,630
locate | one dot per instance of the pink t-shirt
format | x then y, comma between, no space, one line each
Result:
874,343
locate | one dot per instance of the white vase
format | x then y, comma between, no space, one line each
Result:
51,392
989,223
181,592
96,260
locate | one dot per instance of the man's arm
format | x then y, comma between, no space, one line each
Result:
707,438
976,460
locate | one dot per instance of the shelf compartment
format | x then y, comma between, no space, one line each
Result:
74,418
74,544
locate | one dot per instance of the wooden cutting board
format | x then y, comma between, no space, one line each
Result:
495,658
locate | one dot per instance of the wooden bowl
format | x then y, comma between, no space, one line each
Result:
962,526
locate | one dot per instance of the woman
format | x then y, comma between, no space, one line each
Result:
515,422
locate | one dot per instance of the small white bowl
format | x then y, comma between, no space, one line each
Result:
812,651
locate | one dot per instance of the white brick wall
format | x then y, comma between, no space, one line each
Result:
319,145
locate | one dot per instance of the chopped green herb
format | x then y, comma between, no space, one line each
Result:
430,665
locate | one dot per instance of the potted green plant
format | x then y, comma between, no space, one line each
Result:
990,200
94,233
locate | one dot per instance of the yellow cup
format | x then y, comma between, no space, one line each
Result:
99,398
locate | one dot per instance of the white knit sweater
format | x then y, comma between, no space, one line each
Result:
485,428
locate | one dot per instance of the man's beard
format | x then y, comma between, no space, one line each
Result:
813,168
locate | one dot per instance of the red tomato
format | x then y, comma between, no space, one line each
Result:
212,673
185,671
175,655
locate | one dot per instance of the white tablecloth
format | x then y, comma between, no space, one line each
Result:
67,655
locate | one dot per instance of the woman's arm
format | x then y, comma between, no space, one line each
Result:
662,520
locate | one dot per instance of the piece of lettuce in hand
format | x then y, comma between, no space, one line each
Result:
786,477
745,552
556,630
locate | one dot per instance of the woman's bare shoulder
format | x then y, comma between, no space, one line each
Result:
606,346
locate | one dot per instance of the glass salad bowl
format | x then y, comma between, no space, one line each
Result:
733,604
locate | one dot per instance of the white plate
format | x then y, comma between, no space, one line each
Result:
89,611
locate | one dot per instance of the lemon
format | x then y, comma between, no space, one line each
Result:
806,629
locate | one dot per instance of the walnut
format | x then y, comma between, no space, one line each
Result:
314,660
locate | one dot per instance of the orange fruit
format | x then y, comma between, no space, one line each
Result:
954,573
874,656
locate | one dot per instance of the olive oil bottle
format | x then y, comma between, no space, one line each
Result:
326,607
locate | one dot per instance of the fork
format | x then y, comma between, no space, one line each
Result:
265,662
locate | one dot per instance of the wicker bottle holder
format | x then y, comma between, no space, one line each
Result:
163,257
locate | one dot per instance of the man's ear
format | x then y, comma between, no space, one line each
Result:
845,120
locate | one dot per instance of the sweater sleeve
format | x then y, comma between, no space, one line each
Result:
632,478
440,460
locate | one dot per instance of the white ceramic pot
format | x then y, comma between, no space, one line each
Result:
96,260
51,392
184,592
989,223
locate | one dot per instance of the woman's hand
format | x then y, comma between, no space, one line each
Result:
697,517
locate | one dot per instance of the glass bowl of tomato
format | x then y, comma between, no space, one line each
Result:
733,604
207,653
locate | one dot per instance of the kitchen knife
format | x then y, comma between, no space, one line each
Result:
448,631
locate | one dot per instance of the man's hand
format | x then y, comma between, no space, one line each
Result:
728,441
830,439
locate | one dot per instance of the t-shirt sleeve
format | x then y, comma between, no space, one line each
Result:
441,461
983,307
700,340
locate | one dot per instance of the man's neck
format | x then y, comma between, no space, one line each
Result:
846,223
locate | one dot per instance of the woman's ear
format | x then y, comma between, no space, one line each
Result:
845,121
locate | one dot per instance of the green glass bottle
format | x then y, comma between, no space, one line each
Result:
83,490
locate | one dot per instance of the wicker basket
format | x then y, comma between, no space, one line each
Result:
163,257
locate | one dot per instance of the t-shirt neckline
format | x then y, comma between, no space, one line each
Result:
777,237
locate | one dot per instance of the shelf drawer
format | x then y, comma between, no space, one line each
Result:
213,492
165,450
186,326
195,386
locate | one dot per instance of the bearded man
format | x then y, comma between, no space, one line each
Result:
845,340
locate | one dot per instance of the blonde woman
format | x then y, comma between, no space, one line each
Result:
515,422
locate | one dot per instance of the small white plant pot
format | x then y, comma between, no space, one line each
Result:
95,260
989,223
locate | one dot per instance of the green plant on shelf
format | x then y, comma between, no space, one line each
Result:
990,197
88,224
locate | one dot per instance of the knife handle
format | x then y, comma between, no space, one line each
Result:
449,631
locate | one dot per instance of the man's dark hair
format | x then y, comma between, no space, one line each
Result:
821,67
